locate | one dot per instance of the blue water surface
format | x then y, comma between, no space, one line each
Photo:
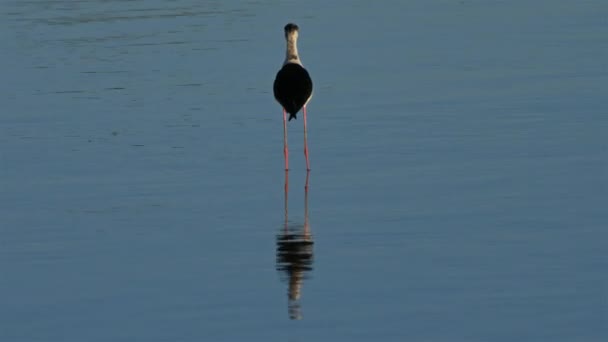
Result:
458,188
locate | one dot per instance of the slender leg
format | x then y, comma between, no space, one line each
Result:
286,205
306,142
306,221
285,150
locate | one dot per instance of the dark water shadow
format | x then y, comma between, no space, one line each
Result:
294,245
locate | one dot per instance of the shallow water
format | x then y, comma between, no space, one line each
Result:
457,191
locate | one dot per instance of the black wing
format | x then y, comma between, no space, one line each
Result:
292,87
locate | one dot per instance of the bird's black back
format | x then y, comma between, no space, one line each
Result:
292,88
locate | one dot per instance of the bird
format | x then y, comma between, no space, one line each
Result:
293,88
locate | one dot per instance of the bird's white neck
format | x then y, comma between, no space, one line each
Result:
291,54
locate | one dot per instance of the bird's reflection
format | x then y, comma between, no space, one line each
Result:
295,253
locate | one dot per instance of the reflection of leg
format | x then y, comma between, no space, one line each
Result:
285,150
306,141
286,197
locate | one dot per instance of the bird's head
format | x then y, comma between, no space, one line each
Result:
291,30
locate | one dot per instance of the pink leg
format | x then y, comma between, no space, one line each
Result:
306,141
306,221
286,198
285,150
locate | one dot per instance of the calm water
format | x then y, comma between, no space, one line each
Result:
458,190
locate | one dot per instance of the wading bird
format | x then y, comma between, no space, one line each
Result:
293,88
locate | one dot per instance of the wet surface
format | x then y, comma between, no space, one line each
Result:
457,191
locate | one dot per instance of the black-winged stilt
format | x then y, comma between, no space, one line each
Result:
293,88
